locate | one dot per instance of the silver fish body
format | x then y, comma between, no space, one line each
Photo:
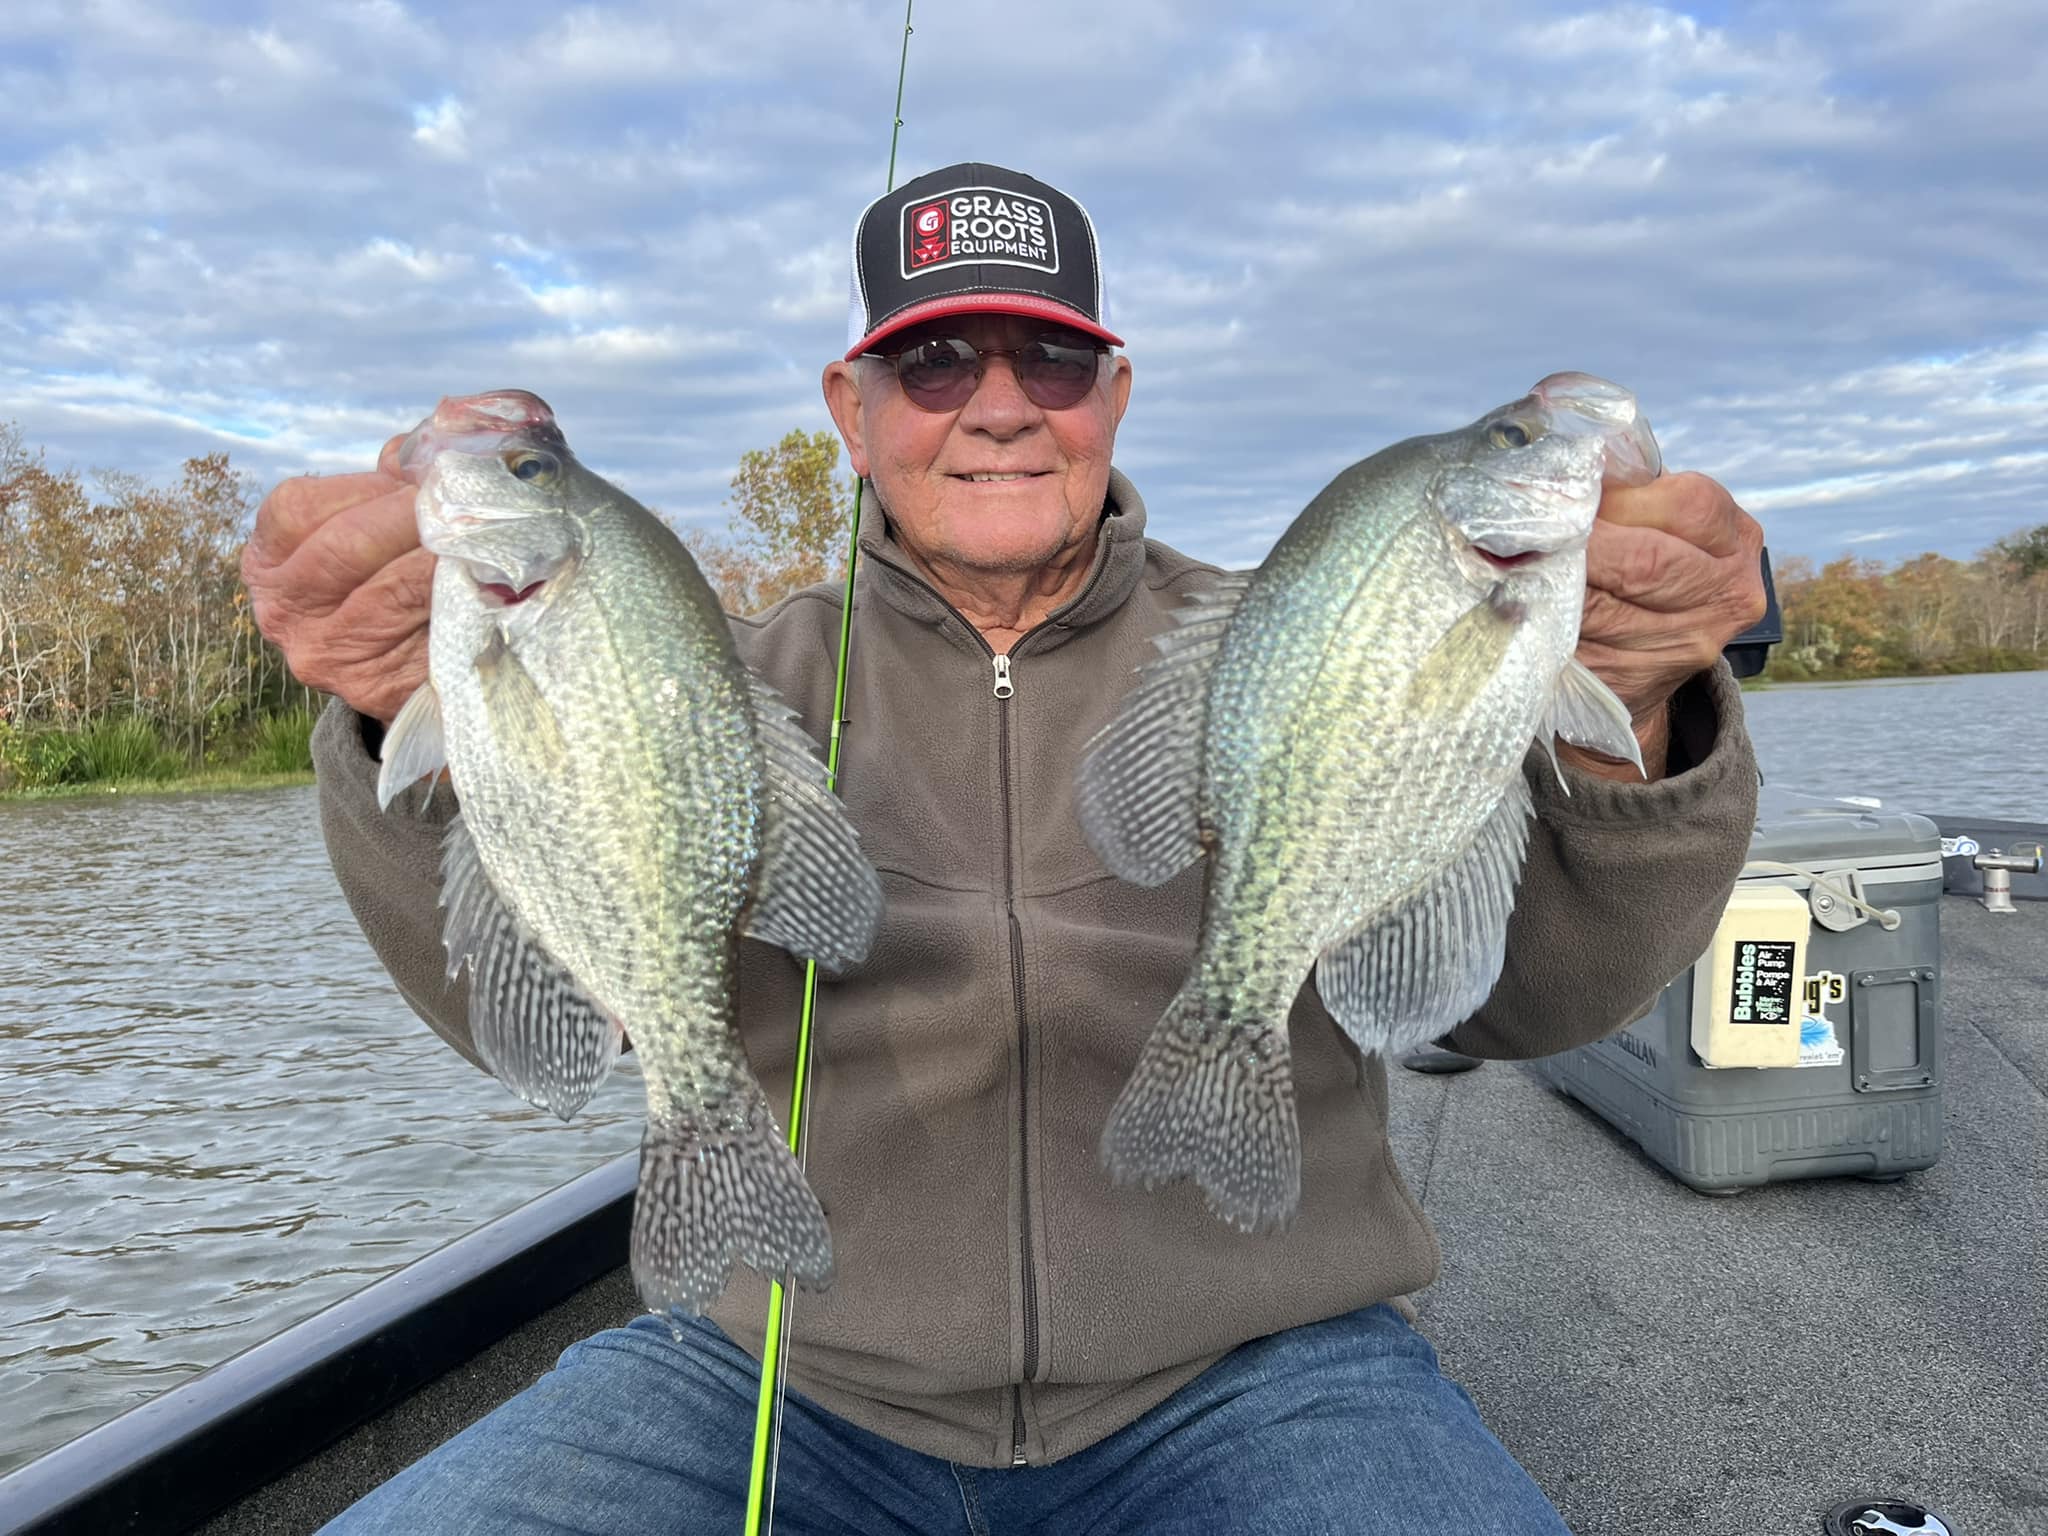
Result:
632,802
1342,732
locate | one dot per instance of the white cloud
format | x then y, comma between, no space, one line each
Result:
1807,237
440,128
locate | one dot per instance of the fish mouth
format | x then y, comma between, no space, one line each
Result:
502,594
1507,559
1508,562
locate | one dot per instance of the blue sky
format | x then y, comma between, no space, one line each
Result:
1813,237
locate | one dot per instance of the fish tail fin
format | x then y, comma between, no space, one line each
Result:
1212,1100
712,1192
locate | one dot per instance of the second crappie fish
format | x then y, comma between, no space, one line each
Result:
1342,732
631,803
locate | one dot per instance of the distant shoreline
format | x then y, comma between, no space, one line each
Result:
1756,684
184,784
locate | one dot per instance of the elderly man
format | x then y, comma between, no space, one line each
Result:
1012,1342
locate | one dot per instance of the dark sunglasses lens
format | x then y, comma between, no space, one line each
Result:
1055,375
939,375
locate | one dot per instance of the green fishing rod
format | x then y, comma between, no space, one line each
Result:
775,1341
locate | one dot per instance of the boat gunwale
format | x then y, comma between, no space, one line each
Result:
169,1463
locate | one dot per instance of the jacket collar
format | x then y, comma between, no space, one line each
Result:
888,573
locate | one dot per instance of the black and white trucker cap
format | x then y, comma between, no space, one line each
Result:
973,239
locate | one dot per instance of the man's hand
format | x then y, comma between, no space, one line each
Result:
1672,575
338,581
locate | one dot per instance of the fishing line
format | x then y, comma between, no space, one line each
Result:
774,1344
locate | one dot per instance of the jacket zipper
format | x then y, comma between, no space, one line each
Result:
1003,690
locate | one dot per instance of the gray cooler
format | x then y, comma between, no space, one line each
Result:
1798,976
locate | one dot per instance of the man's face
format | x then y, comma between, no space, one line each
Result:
923,462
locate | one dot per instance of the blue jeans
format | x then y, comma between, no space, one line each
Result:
1341,1426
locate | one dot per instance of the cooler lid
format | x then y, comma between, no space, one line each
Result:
1794,826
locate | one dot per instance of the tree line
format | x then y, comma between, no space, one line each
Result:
121,605
127,648
121,602
1852,618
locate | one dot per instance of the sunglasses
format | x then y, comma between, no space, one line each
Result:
941,373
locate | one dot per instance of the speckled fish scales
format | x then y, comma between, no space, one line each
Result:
1342,732
632,802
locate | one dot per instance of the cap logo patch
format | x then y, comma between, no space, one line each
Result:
979,224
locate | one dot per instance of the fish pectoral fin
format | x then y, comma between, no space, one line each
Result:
1587,713
815,893
538,1031
522,721
414,746
1428,965
1454,671
1139,788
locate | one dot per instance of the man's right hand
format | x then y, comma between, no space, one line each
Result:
338,582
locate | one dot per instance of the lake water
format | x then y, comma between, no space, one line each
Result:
1976,745
216,1116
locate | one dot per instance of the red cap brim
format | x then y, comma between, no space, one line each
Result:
1032,305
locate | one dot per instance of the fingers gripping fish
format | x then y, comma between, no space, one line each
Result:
632,802
1342,732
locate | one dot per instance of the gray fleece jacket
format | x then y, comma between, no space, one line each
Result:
997,1299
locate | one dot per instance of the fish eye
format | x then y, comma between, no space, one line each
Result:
1511,434
533,465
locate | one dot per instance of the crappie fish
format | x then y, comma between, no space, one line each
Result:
632,801
1342,732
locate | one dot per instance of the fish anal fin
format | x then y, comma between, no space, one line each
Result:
540,1034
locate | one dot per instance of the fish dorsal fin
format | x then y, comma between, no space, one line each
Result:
815,893
413,747
1587,713
535,1028
1427,965
1141,777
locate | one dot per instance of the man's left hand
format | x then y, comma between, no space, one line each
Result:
1672,575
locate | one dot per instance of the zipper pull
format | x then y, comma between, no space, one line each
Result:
1004,688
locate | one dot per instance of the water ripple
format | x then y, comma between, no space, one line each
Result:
1945,744
216,1115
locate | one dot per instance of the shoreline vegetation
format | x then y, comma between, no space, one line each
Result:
129,755
129,662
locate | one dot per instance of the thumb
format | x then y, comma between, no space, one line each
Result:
387,460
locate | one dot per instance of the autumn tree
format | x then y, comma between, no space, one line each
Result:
790,510
124,599
2023,555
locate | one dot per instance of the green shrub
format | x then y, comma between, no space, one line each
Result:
283,743
48,758
113,749
123,749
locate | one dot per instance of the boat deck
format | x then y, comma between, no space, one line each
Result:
1660,1360
1665,1360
